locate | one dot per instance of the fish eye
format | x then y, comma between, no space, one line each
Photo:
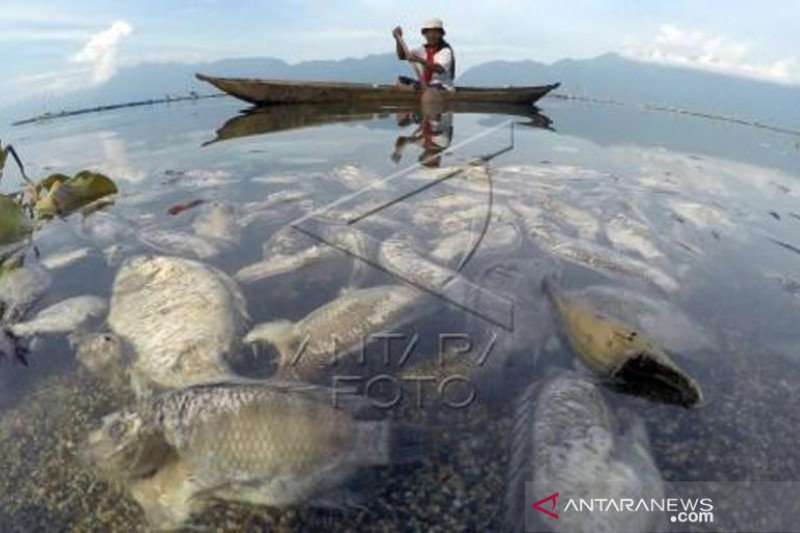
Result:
117,429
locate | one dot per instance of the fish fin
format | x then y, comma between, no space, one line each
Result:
281,334
519,466
340,499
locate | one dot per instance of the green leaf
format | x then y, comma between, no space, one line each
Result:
65,196
14,225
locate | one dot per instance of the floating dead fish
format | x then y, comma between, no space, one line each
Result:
218,224
267,443
290,249
603,259
178,242
183,319
627,234
566,438
581,221
355,178
104,228
401,255
337,328
666,325
700,215
66,258
64,317
105,355
23,280
614,349
281,264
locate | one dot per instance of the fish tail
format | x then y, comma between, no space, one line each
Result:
280,334
519,471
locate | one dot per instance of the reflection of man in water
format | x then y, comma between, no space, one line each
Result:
434,134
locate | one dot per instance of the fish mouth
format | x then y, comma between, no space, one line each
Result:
644,375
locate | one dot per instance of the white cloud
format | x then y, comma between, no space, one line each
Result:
100,51
701,50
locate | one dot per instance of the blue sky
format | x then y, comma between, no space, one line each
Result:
58,45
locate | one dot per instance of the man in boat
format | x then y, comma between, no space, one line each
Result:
436,58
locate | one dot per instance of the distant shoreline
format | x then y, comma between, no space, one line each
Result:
152,101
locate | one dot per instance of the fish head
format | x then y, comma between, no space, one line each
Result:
101,353
127,446
651,374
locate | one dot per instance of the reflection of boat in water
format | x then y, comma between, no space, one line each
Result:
269,91
261,120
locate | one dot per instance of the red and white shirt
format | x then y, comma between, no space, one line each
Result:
443,58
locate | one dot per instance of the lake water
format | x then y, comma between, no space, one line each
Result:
683,227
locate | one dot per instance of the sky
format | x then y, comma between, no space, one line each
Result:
56,46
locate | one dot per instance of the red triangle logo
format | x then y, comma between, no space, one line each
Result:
548,512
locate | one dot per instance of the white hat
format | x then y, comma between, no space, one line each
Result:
433,24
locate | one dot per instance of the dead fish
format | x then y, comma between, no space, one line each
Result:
282,264
64,317
400,254
23,280
627,234
178,242
665,324
615,350
218,224
597,257
566,437
183,319
291,250
104,228
355,178
338,327
65,258
266,443
105,355
582,222
701,215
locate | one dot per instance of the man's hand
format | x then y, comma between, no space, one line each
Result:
397,33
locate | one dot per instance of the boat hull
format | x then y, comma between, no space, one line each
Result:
268,91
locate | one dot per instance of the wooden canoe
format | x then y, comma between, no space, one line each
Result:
269,91
274,118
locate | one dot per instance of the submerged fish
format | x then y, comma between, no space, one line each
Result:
179,242
184,319
266,443
217,222
65,258
290,250
665,324
614,349
603,259
63,317
567,438
105,355
338,327
23,280
628,234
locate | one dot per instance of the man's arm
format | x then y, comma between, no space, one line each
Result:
398,33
